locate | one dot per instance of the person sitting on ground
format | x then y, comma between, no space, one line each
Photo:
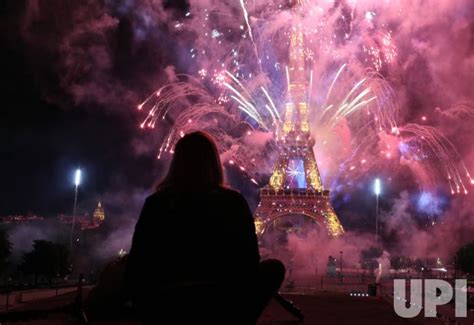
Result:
194,254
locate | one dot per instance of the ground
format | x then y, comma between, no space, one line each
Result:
318,308
336,308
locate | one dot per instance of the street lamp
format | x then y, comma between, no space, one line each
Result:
340,265
377,190
77,182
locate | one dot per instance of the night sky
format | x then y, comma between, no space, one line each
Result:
45,134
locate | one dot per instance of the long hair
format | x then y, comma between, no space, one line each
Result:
195,165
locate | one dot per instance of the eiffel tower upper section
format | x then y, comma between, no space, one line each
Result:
297,158
295,185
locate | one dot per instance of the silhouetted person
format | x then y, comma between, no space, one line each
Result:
194,254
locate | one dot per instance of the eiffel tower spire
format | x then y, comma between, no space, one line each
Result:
296,118
298,155
295,185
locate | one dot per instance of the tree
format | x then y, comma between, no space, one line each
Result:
465,258
400,262
368,258
47,259
5,250
419,264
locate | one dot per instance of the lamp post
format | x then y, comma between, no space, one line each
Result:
377,190
340,266
77,182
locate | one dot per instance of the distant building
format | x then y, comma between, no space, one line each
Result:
86,221
99,214
19,219
83,222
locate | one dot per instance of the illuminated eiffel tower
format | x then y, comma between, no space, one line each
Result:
295,190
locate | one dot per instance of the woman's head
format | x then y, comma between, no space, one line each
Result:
195,164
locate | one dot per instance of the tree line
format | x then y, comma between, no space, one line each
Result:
48,260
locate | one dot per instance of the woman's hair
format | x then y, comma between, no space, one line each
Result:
195,165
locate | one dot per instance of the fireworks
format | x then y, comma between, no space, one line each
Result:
238,92
447,158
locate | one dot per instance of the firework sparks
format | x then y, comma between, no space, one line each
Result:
241,81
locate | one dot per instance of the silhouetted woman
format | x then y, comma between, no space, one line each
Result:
194,254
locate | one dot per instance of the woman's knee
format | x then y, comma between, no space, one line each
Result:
274,267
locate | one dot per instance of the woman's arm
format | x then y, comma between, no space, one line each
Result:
138,252
246,235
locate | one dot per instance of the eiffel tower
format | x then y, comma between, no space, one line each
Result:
295,187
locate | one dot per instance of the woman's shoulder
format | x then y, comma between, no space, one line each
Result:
223,193
230,194
228,190
156,197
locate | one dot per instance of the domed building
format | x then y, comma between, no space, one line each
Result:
99,214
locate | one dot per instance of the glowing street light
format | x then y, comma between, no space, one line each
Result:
77,182
377,186
377,191
77,178
340,266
